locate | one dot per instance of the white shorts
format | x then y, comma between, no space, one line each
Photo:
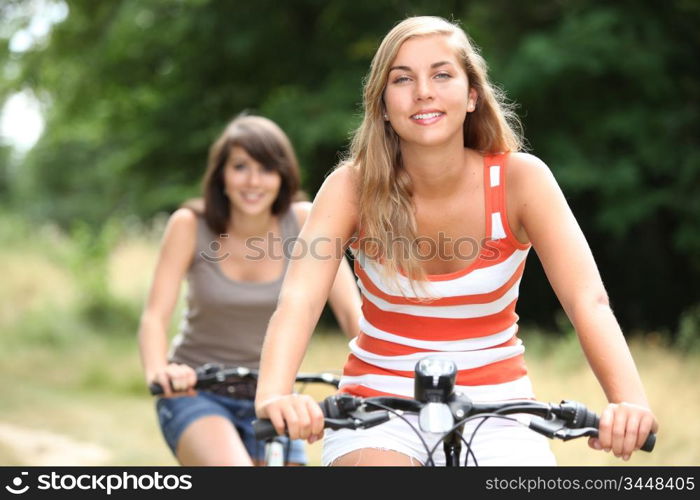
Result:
497,442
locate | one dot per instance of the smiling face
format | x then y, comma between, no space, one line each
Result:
251,187
427,95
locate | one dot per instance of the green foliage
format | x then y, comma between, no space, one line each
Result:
103,378
47,327
688,337
5,158
63,295
101,309
609,94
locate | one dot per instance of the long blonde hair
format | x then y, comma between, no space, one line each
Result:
387,219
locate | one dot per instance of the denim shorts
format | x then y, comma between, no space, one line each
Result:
175,414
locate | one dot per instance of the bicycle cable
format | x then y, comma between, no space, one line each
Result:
483,417
483,421
402,417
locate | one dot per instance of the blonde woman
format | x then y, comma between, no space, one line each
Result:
434,173
232,248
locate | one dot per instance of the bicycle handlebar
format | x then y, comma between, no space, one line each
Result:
566,420
211,374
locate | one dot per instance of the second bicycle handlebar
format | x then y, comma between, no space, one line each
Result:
211,374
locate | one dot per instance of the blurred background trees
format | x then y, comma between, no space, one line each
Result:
134,92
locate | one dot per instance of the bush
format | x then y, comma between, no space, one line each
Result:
688,336
102,311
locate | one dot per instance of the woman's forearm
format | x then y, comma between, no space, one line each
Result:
607,352
153,346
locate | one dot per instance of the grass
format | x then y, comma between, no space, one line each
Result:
73,391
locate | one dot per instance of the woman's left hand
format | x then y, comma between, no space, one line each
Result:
623,429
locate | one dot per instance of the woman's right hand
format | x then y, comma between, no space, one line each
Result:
297,414
176,380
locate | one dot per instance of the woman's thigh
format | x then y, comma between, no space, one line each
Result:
212,440
243,414
199,431
374,457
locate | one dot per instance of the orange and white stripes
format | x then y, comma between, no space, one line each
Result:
470,318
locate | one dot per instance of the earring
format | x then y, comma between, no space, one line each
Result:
386,117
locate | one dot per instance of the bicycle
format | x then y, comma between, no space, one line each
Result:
232,381
442,411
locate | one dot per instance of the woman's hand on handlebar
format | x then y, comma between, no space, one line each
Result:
623,429
297,414
176,380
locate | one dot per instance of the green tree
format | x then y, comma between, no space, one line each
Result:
609,96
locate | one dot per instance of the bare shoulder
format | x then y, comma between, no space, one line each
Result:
346,176
183,222
524,166
341,186
529,176
181,233
530,182
335,208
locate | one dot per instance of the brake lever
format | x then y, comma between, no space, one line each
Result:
567,434
550,428
557,428
340,423
358,420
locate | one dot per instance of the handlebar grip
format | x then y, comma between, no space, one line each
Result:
155,388
264,429
334,409
648,445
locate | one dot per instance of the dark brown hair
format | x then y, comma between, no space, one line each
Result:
265,142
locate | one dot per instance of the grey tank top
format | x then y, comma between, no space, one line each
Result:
226,320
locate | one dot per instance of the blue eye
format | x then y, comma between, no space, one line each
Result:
239,166
443,76
401,79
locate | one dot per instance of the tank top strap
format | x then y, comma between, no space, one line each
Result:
206,239
495,187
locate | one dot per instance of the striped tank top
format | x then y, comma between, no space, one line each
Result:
471,319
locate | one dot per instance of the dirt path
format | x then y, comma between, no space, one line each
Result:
40,447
